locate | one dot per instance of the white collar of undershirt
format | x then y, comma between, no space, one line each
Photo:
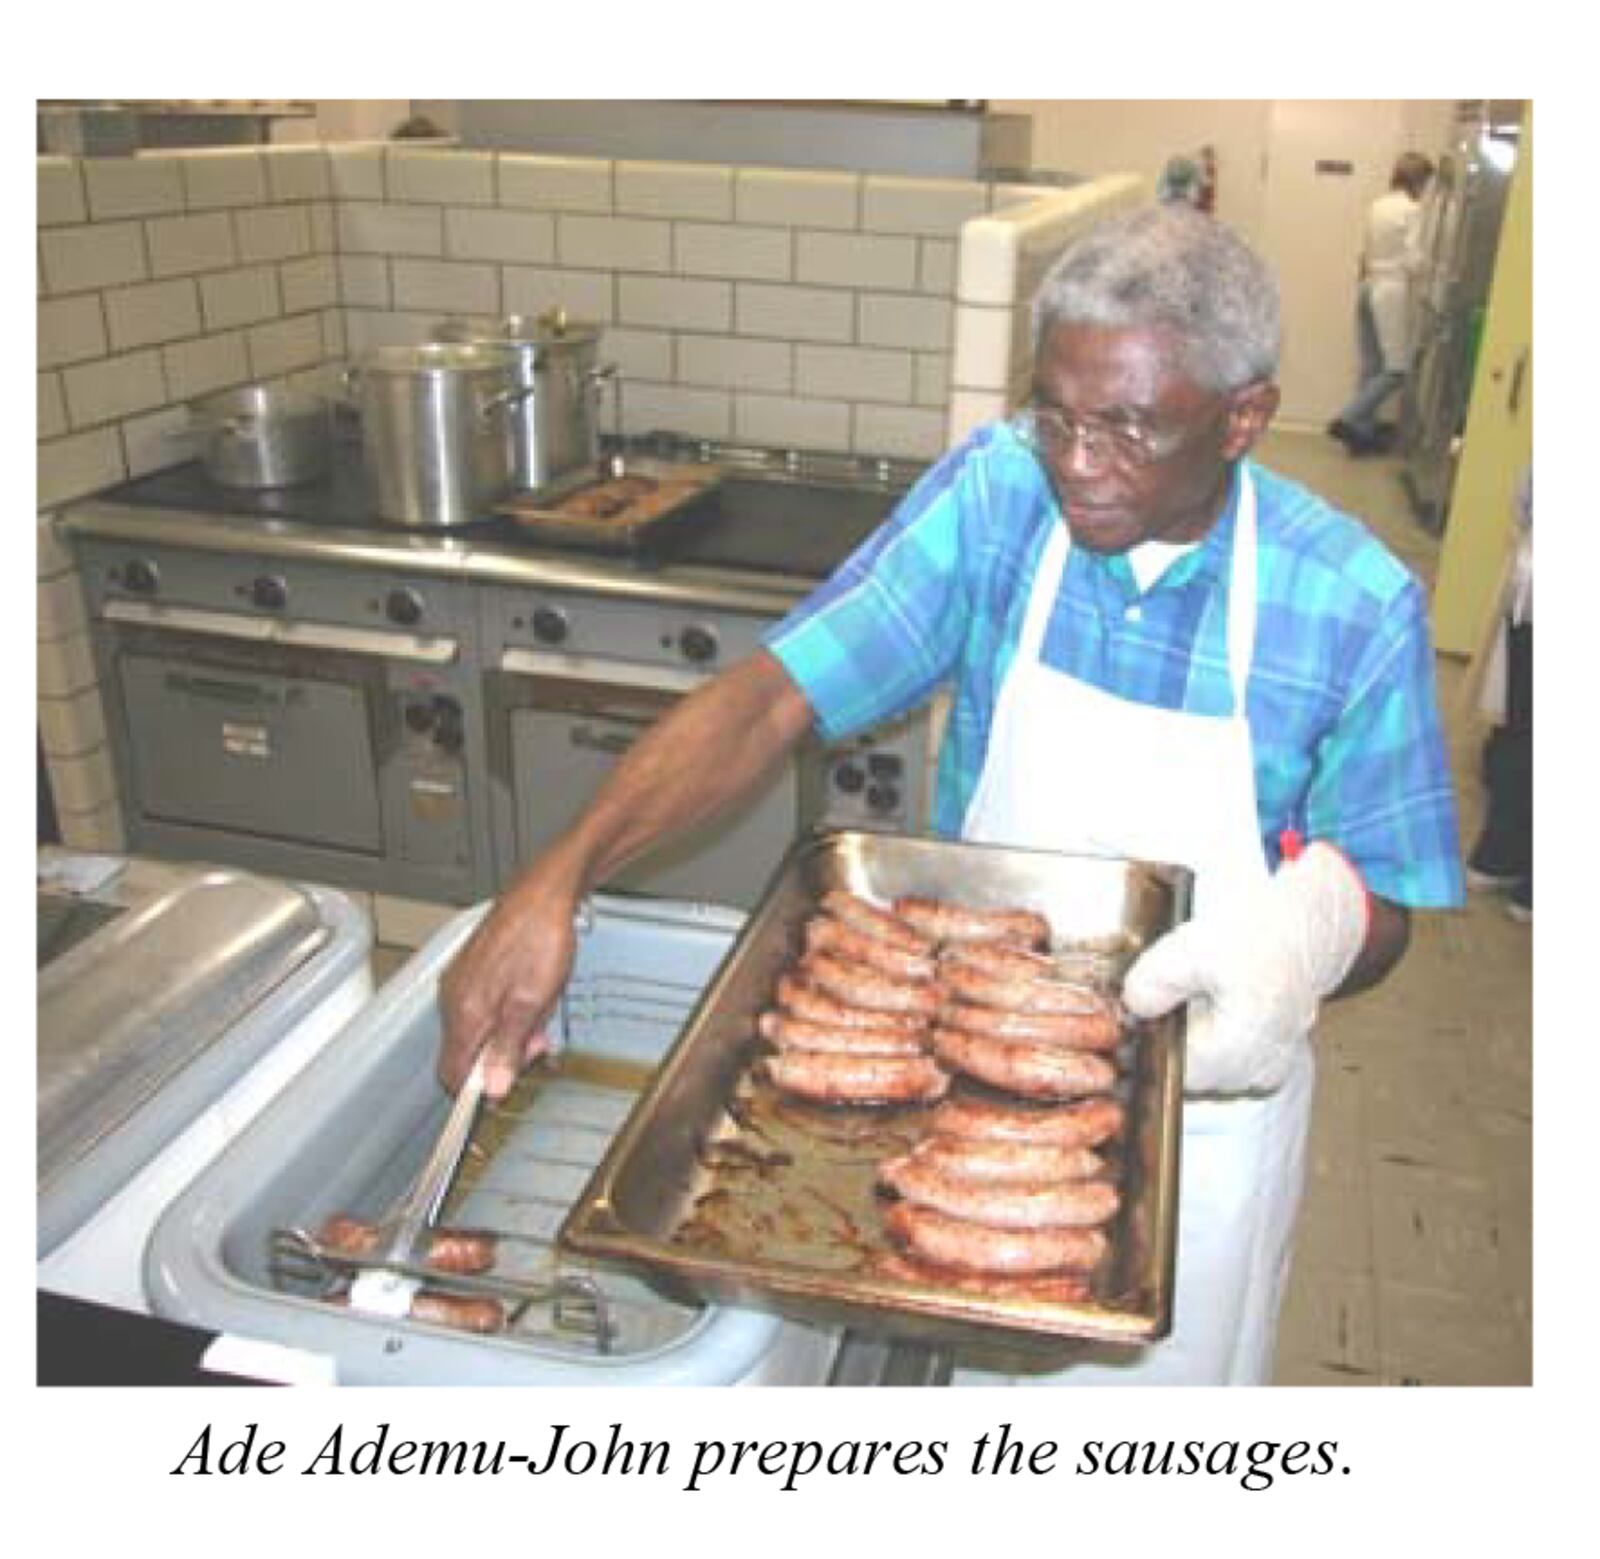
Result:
1151,559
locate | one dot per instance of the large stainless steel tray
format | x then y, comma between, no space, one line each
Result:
723,1189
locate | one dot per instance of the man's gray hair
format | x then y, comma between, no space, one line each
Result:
1178,269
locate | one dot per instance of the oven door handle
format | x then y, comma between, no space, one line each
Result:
589,668
436,650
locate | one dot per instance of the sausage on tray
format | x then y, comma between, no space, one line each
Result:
836,1079
1070,1030
1000,1162
801,999
947,922
860,986
1011,994
979,1248
1033,1204
1033,1071
788,1032
464,1312
864,915
448,1250
1086,1123
824,934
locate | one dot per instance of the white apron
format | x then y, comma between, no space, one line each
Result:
1073,768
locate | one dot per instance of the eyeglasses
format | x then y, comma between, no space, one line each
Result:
1053,434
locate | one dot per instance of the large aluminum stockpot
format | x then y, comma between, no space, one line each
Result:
556,426
437,429
263,435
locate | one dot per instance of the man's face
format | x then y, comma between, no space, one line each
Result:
1146,454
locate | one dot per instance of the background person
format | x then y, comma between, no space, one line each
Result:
1156,649
1391,261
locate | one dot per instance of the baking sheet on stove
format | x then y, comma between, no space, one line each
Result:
613,514
724,1189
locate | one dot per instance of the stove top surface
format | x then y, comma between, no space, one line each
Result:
779,514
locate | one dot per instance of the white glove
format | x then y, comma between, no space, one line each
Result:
1263,963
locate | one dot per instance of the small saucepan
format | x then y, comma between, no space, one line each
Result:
263,435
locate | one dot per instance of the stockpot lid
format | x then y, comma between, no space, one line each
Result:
551,333
123,1011
440,358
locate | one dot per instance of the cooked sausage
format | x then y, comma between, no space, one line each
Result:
835,1079
1031,1204
999,1162
947,922
791,1033
976,1247
1071,1030
824,934
447,1250
804,1000
1047,1288
864,915
1034,1071
870,988
465,1312
1085,1123
999,960
1011,994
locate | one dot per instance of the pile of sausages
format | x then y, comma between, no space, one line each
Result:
885,1006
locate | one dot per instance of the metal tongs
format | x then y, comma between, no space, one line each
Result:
398,1235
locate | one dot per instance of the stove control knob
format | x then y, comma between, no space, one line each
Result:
448,733
269,592
403,608
698,644
883,798
550,625
849,777
420,717
141,577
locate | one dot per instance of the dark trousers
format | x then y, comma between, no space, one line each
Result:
1505,847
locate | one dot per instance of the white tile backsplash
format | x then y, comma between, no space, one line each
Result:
889,319
113,387
613,243
723,249
243,297
50,407
210,363
181,246
448,178
674,189
853,373
866,261
589,295
446,286
785,422
273,233
555,183
794,313
224,176
797,199
284,345
511,237
675,303
936,207
102,254
311,283
60,192
71,329
77,464
151,313
299,173
149,185
735,362
364,227
909,432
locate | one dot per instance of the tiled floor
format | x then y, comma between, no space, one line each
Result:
1414,1257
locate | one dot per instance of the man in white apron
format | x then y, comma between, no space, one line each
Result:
1391,263
1154,649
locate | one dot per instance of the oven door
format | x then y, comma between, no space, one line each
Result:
256,740
557,731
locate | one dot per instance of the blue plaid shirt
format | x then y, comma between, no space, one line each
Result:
1343,721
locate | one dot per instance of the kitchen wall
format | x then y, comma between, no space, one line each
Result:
845,312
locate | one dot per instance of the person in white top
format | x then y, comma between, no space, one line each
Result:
1391,258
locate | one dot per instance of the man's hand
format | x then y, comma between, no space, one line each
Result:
1264,964
498,993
